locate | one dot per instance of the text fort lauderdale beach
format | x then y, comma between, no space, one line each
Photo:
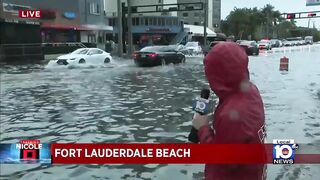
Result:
138,153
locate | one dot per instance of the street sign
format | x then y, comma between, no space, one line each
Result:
313,2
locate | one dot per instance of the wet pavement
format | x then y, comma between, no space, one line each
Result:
121,103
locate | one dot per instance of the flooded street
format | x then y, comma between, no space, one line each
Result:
122,103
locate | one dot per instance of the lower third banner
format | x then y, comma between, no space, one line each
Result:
177,154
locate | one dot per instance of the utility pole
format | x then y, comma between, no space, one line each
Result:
205,7
129,20
86,11
120,46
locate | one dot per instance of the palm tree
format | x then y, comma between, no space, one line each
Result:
271,18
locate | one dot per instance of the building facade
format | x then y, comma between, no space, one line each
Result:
147,28
93,19
197,17
61,21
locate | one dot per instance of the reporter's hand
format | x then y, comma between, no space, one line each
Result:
200,120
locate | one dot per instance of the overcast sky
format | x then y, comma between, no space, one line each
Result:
284,6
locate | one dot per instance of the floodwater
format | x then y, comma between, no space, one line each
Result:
121,103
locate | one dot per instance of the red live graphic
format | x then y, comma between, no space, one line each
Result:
30,13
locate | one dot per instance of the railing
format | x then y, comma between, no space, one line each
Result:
36,51
14,52
78,44
61,48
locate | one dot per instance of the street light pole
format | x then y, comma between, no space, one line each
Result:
120,46
129,20
205,7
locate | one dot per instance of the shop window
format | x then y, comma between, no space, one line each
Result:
146,22
92,38
163,22
111,22
133,21
154,21
94,8
175,22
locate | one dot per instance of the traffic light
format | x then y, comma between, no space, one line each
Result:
291,16
312,14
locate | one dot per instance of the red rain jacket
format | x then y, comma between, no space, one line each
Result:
239,116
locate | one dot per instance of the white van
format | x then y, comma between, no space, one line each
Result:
308,39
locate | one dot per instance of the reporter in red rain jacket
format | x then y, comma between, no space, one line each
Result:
239,116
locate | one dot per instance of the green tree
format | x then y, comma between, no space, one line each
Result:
254,23
271,18
242,22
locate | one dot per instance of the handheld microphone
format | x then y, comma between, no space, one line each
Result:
200,106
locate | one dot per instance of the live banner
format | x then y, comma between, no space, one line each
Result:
170,154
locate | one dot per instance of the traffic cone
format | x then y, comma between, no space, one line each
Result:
284,64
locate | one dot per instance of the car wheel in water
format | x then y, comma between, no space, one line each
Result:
183,60
163,62
107,60
82,61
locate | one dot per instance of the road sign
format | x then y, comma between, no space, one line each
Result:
313,2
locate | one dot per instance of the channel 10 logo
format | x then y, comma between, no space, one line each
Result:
283,151
201,105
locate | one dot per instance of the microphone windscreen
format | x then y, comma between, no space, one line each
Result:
205,93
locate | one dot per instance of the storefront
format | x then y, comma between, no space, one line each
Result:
151,30
59,34
197,33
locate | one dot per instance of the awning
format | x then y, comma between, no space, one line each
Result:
76,27
98,27
198,30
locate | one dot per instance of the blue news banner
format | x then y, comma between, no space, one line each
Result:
11,154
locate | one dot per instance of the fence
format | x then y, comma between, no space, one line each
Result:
36,51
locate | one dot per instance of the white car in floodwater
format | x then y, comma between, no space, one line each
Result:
193,48
85,55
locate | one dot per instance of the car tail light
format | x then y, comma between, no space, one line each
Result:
153,55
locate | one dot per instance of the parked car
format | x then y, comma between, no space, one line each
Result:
287,43
251,47
84,55
206,49
275,43
158,55
308,40
193,48
239,41
265,45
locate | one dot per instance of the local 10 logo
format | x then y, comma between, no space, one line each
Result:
201,106
284,151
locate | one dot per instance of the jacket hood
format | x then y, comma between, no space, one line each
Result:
226,68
